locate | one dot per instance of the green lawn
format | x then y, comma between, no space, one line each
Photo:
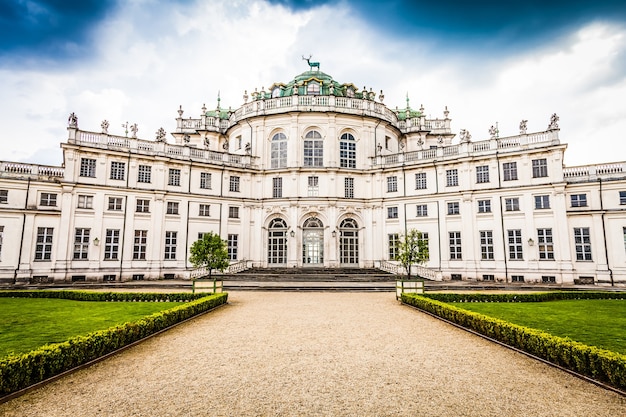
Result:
600,323
27,323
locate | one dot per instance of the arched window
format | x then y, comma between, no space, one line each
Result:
347,151
313,149
276,92
349,242
313,88
279,151
277,242
313,241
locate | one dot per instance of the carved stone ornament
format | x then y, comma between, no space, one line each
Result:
72,120
160,135
420,142
186,139
440,140
523,127
446,112
493,132
248,148
134,128
105,126
206,142
554,125
225,145
465,136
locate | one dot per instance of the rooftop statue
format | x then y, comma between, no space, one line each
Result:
72,121
311,64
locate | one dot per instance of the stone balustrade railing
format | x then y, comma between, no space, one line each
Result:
106,141
8,169
594,172
233,268
469,148
313,103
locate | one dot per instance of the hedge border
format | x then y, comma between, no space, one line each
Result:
598,364
23,370
526,297
102,296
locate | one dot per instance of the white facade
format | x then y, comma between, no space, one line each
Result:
313,173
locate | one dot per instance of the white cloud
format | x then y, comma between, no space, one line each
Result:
149,60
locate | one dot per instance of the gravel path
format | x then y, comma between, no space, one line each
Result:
334,354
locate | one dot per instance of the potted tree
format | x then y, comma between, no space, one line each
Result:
412,250
210,253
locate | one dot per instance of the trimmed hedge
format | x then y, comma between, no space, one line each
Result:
20,371
526,298
599,364
102,296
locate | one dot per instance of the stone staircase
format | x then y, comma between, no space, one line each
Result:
310,278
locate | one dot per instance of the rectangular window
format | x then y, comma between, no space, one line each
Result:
143,206
349,187
542,202
172,207
115,203
48,199
422,210
489,277
204,210
205,180
43,248
486,245
170,245
509,171
144,174
455,245
87,167
85,201
482,174
392,184
424,239
233,212
622,198
420,181
511,204
545,244
81,244
484,206
232,245
173,177
452,177
582,241
140,244
579,200
4,196
314,188
392,212
277,187
453,208
118,170
234,184
393,241
540,168
517,278
515,244
111,244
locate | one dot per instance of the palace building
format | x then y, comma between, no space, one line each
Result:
313,173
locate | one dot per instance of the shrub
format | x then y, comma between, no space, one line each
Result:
599,364
20,371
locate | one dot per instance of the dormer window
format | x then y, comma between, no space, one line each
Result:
313,88
276,92
350,92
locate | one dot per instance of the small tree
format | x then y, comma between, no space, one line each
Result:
210,252
412,249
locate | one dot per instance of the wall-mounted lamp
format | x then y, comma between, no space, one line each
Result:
334,233
531,242
96,241
292,233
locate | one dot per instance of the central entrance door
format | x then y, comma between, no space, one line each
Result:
313,242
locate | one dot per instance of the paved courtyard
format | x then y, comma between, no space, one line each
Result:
331,354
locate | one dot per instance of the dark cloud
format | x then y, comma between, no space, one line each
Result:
482,23
49,28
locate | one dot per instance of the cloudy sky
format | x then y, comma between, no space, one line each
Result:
136,61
